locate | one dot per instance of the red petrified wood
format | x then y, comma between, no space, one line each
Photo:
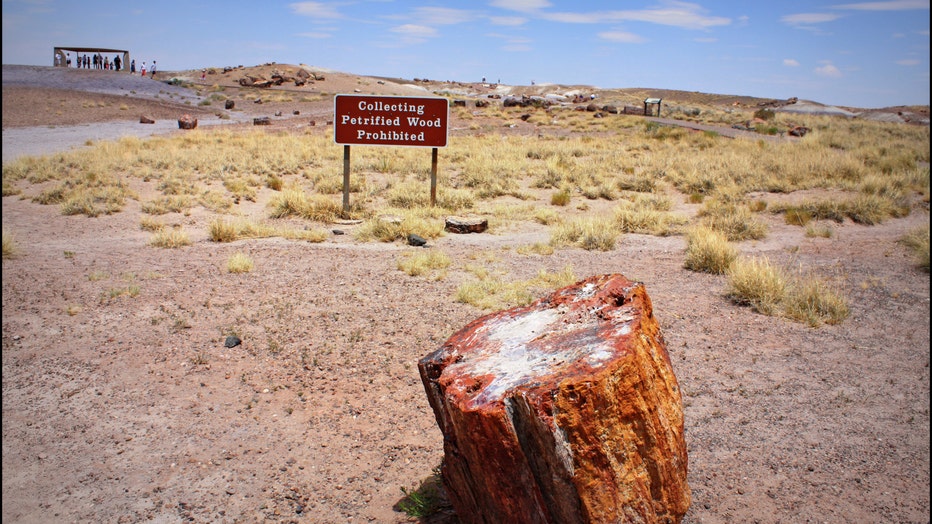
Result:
563,411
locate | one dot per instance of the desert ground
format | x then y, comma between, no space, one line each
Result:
120,408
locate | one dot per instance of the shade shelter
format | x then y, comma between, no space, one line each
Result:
59,55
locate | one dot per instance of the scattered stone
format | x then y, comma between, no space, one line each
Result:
799,131
146,120
232,341
261,121
229,104
187,122
466,225
416,240
338,232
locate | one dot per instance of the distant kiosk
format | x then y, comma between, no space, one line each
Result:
648,102
60,57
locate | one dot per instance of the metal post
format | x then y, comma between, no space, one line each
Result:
433,177
346,170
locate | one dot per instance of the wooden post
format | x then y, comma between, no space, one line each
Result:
346,185
433,177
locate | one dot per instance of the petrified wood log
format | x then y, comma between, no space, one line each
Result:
466,225
187,122
563,411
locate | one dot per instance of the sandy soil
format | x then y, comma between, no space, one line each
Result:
120,408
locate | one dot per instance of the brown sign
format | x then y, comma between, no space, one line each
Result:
390,120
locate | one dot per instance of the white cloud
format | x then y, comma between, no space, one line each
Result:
315,10
705,40
907,62
789,62
801,19
415,31
894,5
677,14
828,70
512,43
671,13
442,15
524,6
316,35
621,36
507,20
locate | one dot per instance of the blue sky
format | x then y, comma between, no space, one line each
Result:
860,54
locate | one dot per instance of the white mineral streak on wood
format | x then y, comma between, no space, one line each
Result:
519,349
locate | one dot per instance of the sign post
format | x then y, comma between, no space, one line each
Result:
390,121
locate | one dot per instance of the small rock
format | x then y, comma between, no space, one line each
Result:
232,341
415,240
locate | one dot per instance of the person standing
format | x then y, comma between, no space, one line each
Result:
132,66
152,71
116,62
142,70
68,59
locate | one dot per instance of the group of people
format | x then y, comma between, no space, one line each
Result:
143,69
99,61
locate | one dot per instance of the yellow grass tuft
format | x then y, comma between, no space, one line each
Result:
10,249
917,240
239,263
423,262
708,251
170,238
757,283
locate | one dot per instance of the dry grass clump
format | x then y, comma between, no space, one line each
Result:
735,221
490,292
814,302
10,249
415,194
917,240
170,238
168,204
589,233
239,263
560,198
757,283
771,290
871,209
819,230
648,214
423,262
389,228
87,193
537,248
708,251
221,230
297,203
150,224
